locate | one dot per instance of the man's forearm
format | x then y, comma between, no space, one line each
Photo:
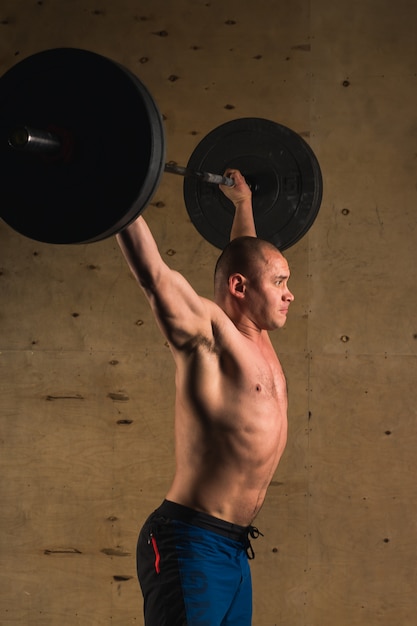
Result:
243,222
241,196
140,251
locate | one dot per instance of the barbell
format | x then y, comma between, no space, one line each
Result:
82,151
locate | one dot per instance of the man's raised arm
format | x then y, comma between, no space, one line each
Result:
241,196
141,253
178,309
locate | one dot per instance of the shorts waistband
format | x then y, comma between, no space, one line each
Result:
181,513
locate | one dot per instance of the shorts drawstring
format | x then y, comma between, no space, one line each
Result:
254,533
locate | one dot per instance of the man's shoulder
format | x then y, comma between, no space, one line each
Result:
220,330
220,321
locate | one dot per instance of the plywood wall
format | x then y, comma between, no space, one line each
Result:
86,386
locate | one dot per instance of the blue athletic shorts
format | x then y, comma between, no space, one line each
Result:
193,569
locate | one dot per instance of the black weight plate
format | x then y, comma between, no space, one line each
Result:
281,168
118,150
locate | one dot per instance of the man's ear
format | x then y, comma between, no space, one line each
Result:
237,285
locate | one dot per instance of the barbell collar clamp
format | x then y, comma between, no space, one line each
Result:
207,177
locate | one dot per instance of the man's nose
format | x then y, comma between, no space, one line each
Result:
288,296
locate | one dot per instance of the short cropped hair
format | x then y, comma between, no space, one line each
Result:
241,256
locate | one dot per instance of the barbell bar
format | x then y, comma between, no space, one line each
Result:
44,143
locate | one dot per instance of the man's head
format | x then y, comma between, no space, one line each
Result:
250,279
